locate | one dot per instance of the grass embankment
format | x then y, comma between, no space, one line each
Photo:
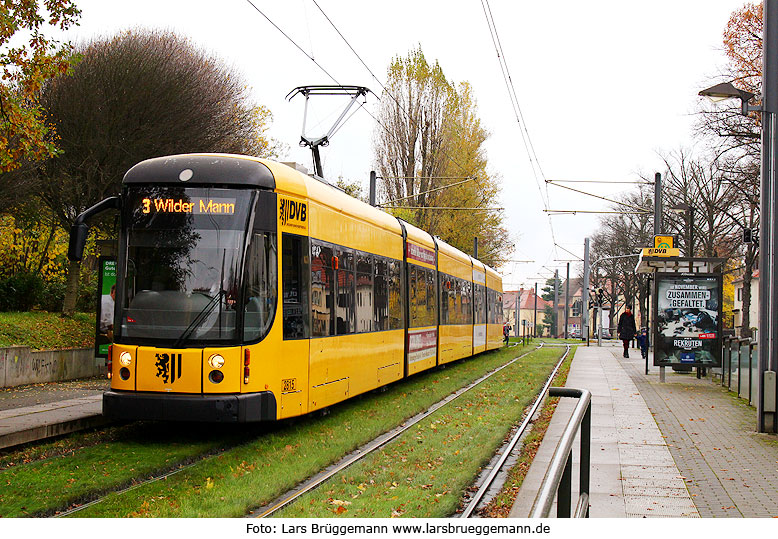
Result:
47,331
270,462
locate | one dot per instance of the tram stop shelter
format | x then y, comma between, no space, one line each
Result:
686,311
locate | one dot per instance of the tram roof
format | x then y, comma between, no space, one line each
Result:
201,169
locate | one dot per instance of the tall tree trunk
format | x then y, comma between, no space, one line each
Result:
745,330
71,288
45,253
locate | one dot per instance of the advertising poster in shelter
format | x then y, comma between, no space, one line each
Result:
688,319
106,294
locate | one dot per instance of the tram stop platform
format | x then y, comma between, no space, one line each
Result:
682,448
38,411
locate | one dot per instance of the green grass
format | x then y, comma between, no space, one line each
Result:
47,331
42,485
268,462
230,484
502,503
426,470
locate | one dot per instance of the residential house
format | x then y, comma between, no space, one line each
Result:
519,310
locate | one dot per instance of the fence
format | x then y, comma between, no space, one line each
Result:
739,372
558,479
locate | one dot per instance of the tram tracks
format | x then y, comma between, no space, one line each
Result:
489,477
487,482
193,476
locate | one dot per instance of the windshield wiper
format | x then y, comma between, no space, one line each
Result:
198,320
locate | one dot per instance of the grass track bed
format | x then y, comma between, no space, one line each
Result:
425,471
269,461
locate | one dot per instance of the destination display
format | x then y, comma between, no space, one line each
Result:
193,205
688,319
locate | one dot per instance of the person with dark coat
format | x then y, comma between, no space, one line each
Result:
643,342
627,329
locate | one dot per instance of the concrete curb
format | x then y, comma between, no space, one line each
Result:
23,425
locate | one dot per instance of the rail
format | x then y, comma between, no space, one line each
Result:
480,495
558,479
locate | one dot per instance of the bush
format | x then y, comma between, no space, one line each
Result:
20,292
52,297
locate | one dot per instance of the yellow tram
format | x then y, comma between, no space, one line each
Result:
248,290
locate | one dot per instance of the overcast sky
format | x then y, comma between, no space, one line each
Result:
603,86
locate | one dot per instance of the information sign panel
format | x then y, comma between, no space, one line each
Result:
106,293
663,242
688,319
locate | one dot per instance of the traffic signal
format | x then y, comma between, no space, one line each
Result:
748,235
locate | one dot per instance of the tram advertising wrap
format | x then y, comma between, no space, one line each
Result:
688,319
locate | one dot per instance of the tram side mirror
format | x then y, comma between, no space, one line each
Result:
78,235
79,231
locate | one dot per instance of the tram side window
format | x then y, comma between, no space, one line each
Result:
480,304
395,299
467,302
445,287
456,301
431,318
261,285
495,302
322,290
344,311
295,274
413,290
489,307
380,295
365,293
423,302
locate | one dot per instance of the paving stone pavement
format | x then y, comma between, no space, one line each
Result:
683,448
729,469
632,471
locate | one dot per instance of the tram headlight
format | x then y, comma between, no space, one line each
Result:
216,361
125,358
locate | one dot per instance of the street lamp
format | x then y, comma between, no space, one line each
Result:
767,421
687,209
726,90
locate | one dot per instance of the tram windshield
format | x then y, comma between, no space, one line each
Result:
183,266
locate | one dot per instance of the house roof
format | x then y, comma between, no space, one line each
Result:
526,300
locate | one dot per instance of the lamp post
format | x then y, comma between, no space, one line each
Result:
688,210
768,198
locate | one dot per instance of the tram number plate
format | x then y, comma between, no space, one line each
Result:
289,384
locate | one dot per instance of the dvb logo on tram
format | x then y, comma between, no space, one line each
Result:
293,213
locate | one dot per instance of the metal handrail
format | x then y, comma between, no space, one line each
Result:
558,479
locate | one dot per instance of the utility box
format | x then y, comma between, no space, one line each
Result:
769,392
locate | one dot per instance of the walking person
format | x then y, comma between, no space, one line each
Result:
506,332
643,342
627,329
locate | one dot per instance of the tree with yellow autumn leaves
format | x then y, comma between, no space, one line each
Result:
132,96
28,58
429,154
